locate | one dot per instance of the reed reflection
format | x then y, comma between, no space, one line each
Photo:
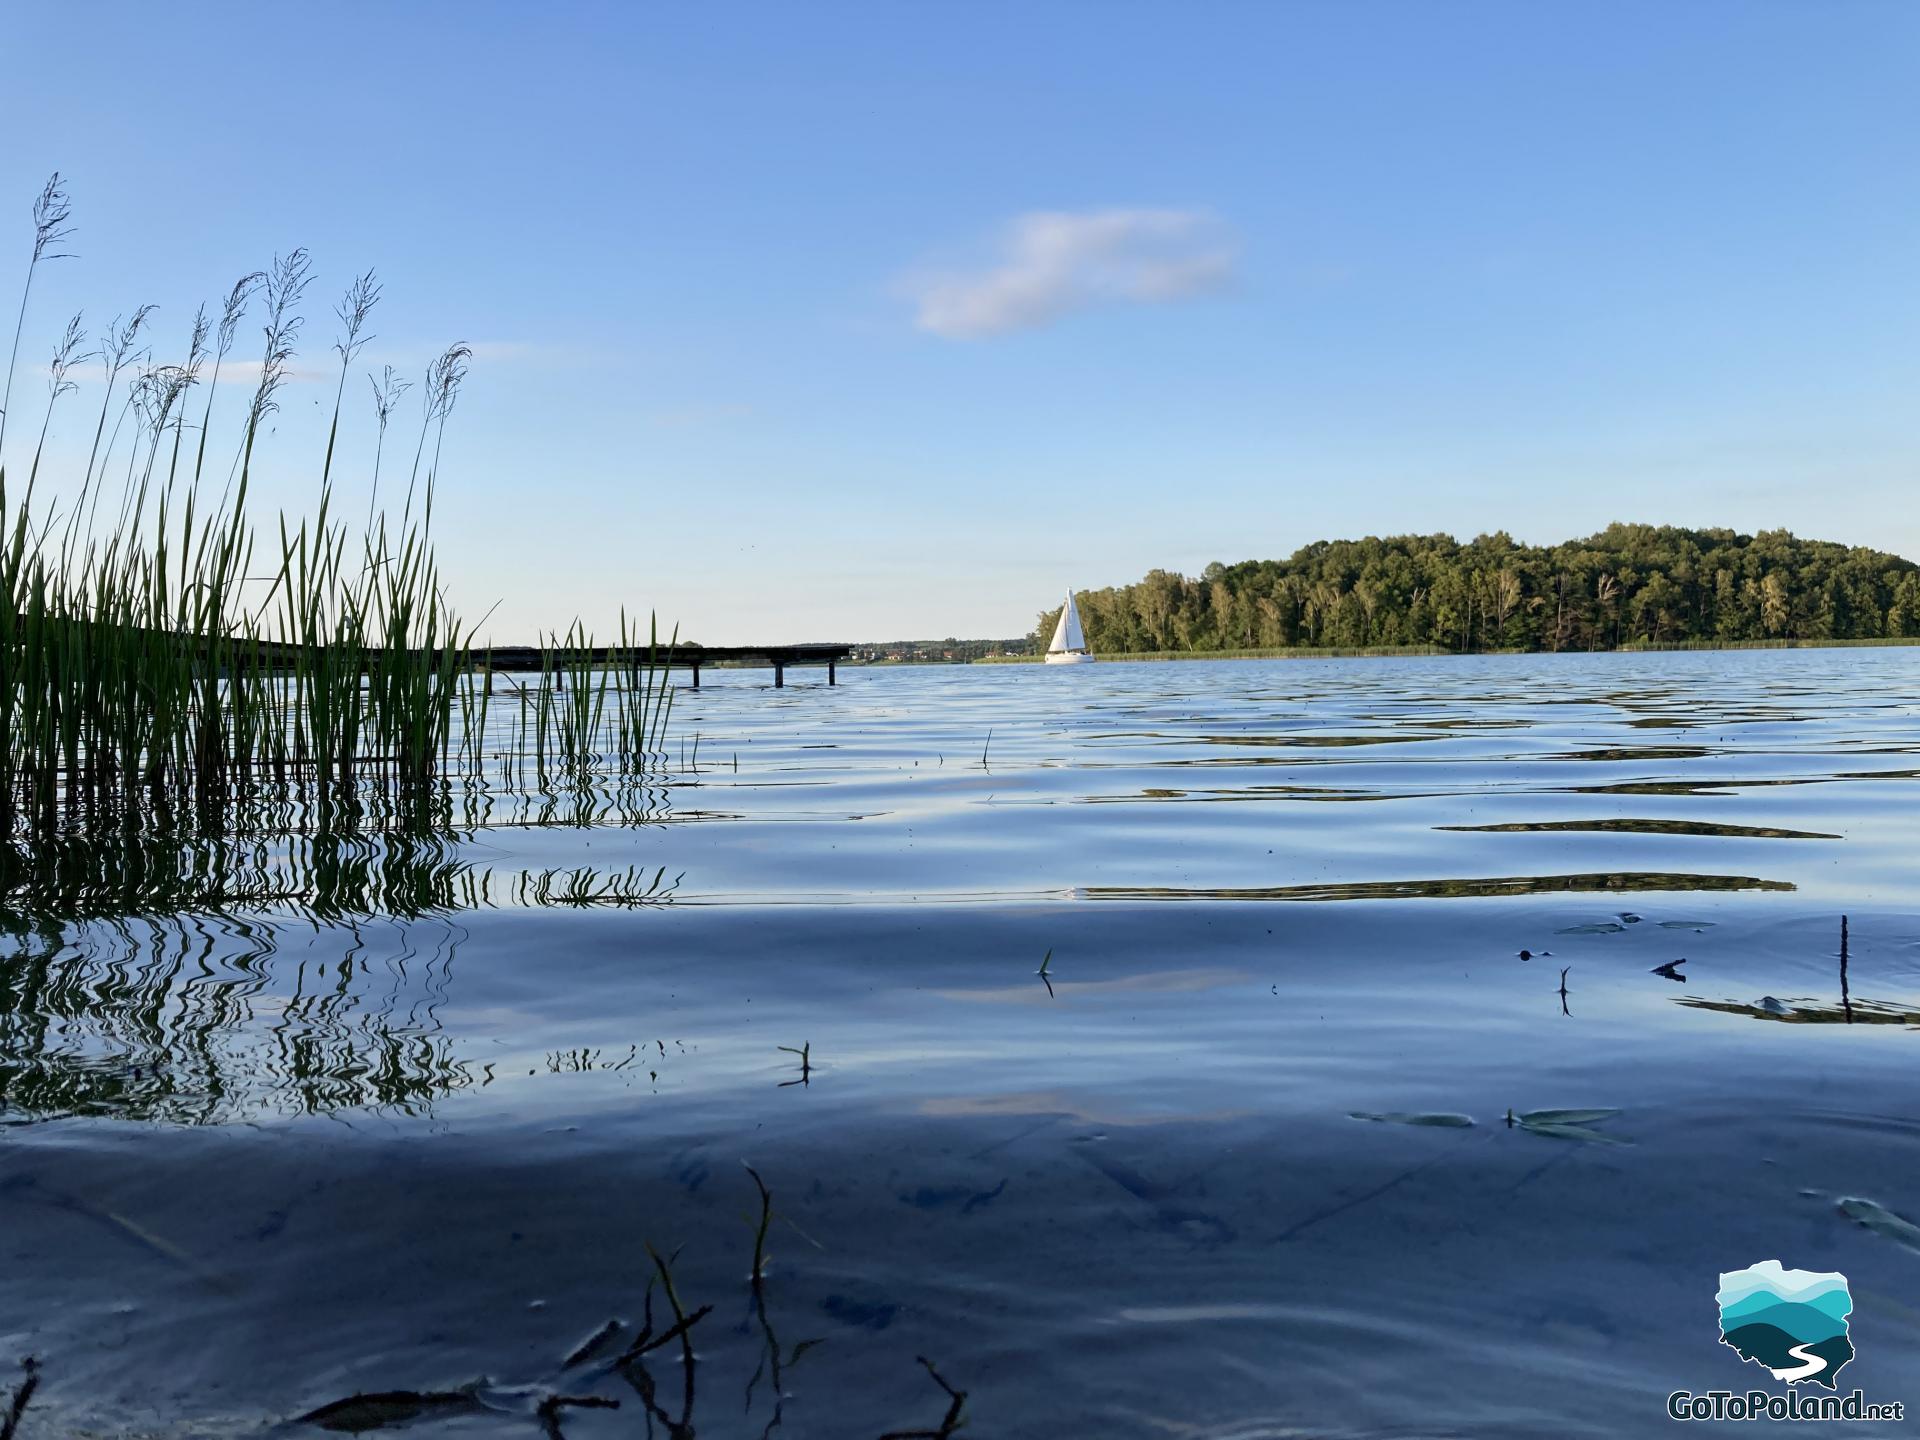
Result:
200,1019
373,857
207,980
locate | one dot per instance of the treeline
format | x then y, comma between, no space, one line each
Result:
1630,584
877,651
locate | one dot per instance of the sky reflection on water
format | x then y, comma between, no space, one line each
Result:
385,1095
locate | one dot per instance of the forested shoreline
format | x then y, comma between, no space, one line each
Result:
1630,584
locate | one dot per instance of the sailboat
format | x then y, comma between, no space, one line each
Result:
1069,646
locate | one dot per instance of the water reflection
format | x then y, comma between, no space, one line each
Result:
1848,1011
993,1168
1476,886
1632,826
324,876
229,979
1473,771
200,1019
279,957
1810,1011
394,862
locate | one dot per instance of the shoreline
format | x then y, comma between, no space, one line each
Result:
1391,652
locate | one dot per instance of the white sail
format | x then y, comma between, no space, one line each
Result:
1075,640
1067,635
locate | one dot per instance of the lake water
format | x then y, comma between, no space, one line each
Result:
272,1151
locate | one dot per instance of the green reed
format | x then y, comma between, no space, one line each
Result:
161,664
592,712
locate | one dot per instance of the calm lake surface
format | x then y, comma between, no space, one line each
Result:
279,1149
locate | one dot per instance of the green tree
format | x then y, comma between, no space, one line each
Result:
1627,583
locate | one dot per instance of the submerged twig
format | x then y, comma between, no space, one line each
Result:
956,1409
550,1408
683,1322
643,1386
771,1365
17,1406
760,1235
805,1052
1846,996
676,1331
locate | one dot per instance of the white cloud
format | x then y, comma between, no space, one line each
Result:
1056,262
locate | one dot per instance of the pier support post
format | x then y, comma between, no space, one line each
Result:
696,674
830,679
779,674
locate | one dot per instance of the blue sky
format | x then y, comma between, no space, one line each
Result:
862,321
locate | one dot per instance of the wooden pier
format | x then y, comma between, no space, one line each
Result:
520,658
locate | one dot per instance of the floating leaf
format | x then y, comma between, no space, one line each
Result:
1578,1133
391,1409
593,1345
1565,1116
1874,1216
1567,1125
1442,1119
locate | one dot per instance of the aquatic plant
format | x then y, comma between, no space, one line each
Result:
50,213
163,667
592,708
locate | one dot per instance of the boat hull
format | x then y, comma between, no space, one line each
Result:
1069,657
